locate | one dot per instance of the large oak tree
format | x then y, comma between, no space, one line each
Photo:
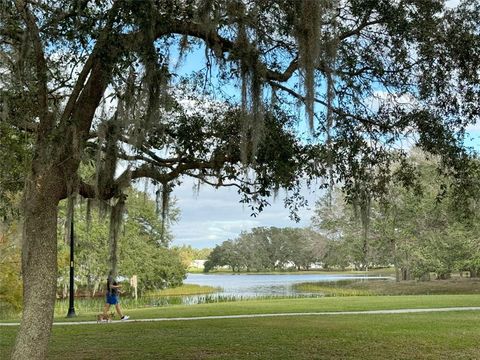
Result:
353,64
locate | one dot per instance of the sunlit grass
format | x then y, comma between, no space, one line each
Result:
7,311
271,305
433,336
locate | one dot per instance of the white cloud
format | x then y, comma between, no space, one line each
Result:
386,98
452,3
215,215
473,128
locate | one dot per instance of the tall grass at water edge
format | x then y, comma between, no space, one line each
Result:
155,299
96,305
187,295
382,287
330,289
164,297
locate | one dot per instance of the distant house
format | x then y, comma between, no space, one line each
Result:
198,264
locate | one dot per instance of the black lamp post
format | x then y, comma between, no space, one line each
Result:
71,306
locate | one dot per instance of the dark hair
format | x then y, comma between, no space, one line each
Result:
111,281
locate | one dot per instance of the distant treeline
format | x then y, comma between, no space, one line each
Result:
268,249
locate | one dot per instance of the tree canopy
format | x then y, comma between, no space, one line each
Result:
269,249
419,230
143,247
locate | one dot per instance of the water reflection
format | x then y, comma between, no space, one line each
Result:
253,285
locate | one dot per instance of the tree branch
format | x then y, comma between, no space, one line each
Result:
357,31
317,100
148,171
87,94
220,183
214,41
46,121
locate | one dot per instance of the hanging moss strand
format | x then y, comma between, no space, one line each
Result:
116,218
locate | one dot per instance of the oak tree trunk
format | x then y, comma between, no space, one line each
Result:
39,266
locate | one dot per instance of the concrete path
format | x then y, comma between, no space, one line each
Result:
326,313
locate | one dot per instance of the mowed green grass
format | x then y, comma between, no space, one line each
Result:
272,306
454,335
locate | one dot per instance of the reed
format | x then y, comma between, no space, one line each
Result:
88,305
330,290
185,289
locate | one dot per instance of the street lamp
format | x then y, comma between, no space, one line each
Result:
71,306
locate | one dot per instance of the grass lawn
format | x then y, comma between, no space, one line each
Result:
433,336
452,335
294,305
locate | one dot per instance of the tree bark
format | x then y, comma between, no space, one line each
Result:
405,274
397,273
39,267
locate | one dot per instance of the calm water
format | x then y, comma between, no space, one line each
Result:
251,285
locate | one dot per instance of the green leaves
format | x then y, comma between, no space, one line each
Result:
269,249
14,165
420,229
142,250
10,278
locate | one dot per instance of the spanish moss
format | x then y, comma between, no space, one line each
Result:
365,208
116,220
145,190
253,122
88,215
206,14
107,157
164,193
307,33
362,209
330,58
103,208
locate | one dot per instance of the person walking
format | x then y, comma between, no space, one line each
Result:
113,291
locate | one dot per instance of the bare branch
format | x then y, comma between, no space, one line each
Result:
324,103
153,157
357,31
79,85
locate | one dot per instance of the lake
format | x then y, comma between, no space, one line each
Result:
255,285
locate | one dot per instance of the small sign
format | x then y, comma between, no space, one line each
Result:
134,284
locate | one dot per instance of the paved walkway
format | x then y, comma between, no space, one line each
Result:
365,312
